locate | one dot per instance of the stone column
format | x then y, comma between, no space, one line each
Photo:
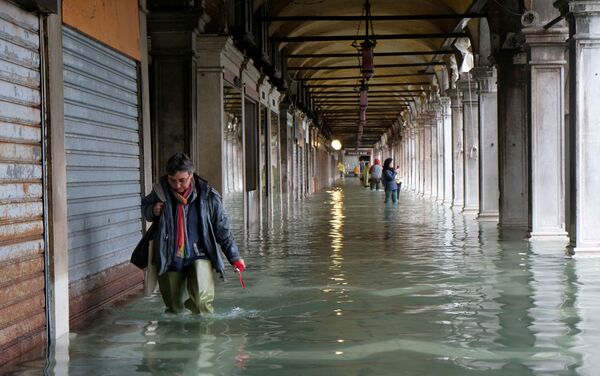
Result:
285,121
447,150
173,49
513,137
547,61
433,128
440,152
413,158
468,86
421,160
427,161
489,189
458,191
584,80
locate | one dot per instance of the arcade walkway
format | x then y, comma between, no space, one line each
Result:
350,286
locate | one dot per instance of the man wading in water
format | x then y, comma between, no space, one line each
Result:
191,222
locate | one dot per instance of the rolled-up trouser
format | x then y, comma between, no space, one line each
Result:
200,291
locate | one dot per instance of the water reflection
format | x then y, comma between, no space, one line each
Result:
346,285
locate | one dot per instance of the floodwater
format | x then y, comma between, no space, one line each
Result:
348,285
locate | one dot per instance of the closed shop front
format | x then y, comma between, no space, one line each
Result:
22,245
104,185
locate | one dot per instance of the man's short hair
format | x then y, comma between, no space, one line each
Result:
179,162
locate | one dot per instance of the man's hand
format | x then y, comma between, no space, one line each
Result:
158,208
239,265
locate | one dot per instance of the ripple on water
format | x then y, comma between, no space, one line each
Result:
345,285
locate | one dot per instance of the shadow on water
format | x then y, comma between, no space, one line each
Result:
347,285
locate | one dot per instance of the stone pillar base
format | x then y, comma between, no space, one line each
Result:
457,205
470,211
553,236
489,217
585,252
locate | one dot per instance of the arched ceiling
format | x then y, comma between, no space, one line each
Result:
403,66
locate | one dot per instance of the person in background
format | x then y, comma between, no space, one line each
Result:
389,181
376,171
341,169
365,175
191,222
399,182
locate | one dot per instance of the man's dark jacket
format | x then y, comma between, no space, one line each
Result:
213,226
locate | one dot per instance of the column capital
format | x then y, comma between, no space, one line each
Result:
578,7
173,33
486,77
468,86
445,101
455,98
547,47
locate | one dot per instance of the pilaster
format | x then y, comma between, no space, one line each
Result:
447,150
584,43
489,192
468,86
513,99
456,107
173,50
547,62
216,54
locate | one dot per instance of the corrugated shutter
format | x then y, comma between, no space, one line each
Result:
22,297
102,139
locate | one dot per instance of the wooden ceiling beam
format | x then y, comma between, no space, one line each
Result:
337,38
376,54
391,17
378,66
372,85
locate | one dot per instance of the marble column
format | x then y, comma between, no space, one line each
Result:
458,192
413,157
468,86
433,127
216,53
513,138
489,187
584,117
441,175
547,62
439,122
421,160
427,161
447,150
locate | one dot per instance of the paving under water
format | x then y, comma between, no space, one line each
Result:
344,284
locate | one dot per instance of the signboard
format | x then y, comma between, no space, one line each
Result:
358,152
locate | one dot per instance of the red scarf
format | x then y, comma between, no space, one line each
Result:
181,223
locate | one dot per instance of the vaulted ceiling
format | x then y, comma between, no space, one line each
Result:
413,38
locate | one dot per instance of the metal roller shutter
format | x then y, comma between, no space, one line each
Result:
102,138
22,282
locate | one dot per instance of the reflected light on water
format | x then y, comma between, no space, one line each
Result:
335,233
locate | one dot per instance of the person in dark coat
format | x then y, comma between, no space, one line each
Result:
191,222
389,181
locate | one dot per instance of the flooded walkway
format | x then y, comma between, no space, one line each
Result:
348,285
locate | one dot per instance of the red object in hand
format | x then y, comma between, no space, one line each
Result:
239,265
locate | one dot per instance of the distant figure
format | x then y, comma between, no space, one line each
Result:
376,171
399,182
389,181
365,175
356,170
341,169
